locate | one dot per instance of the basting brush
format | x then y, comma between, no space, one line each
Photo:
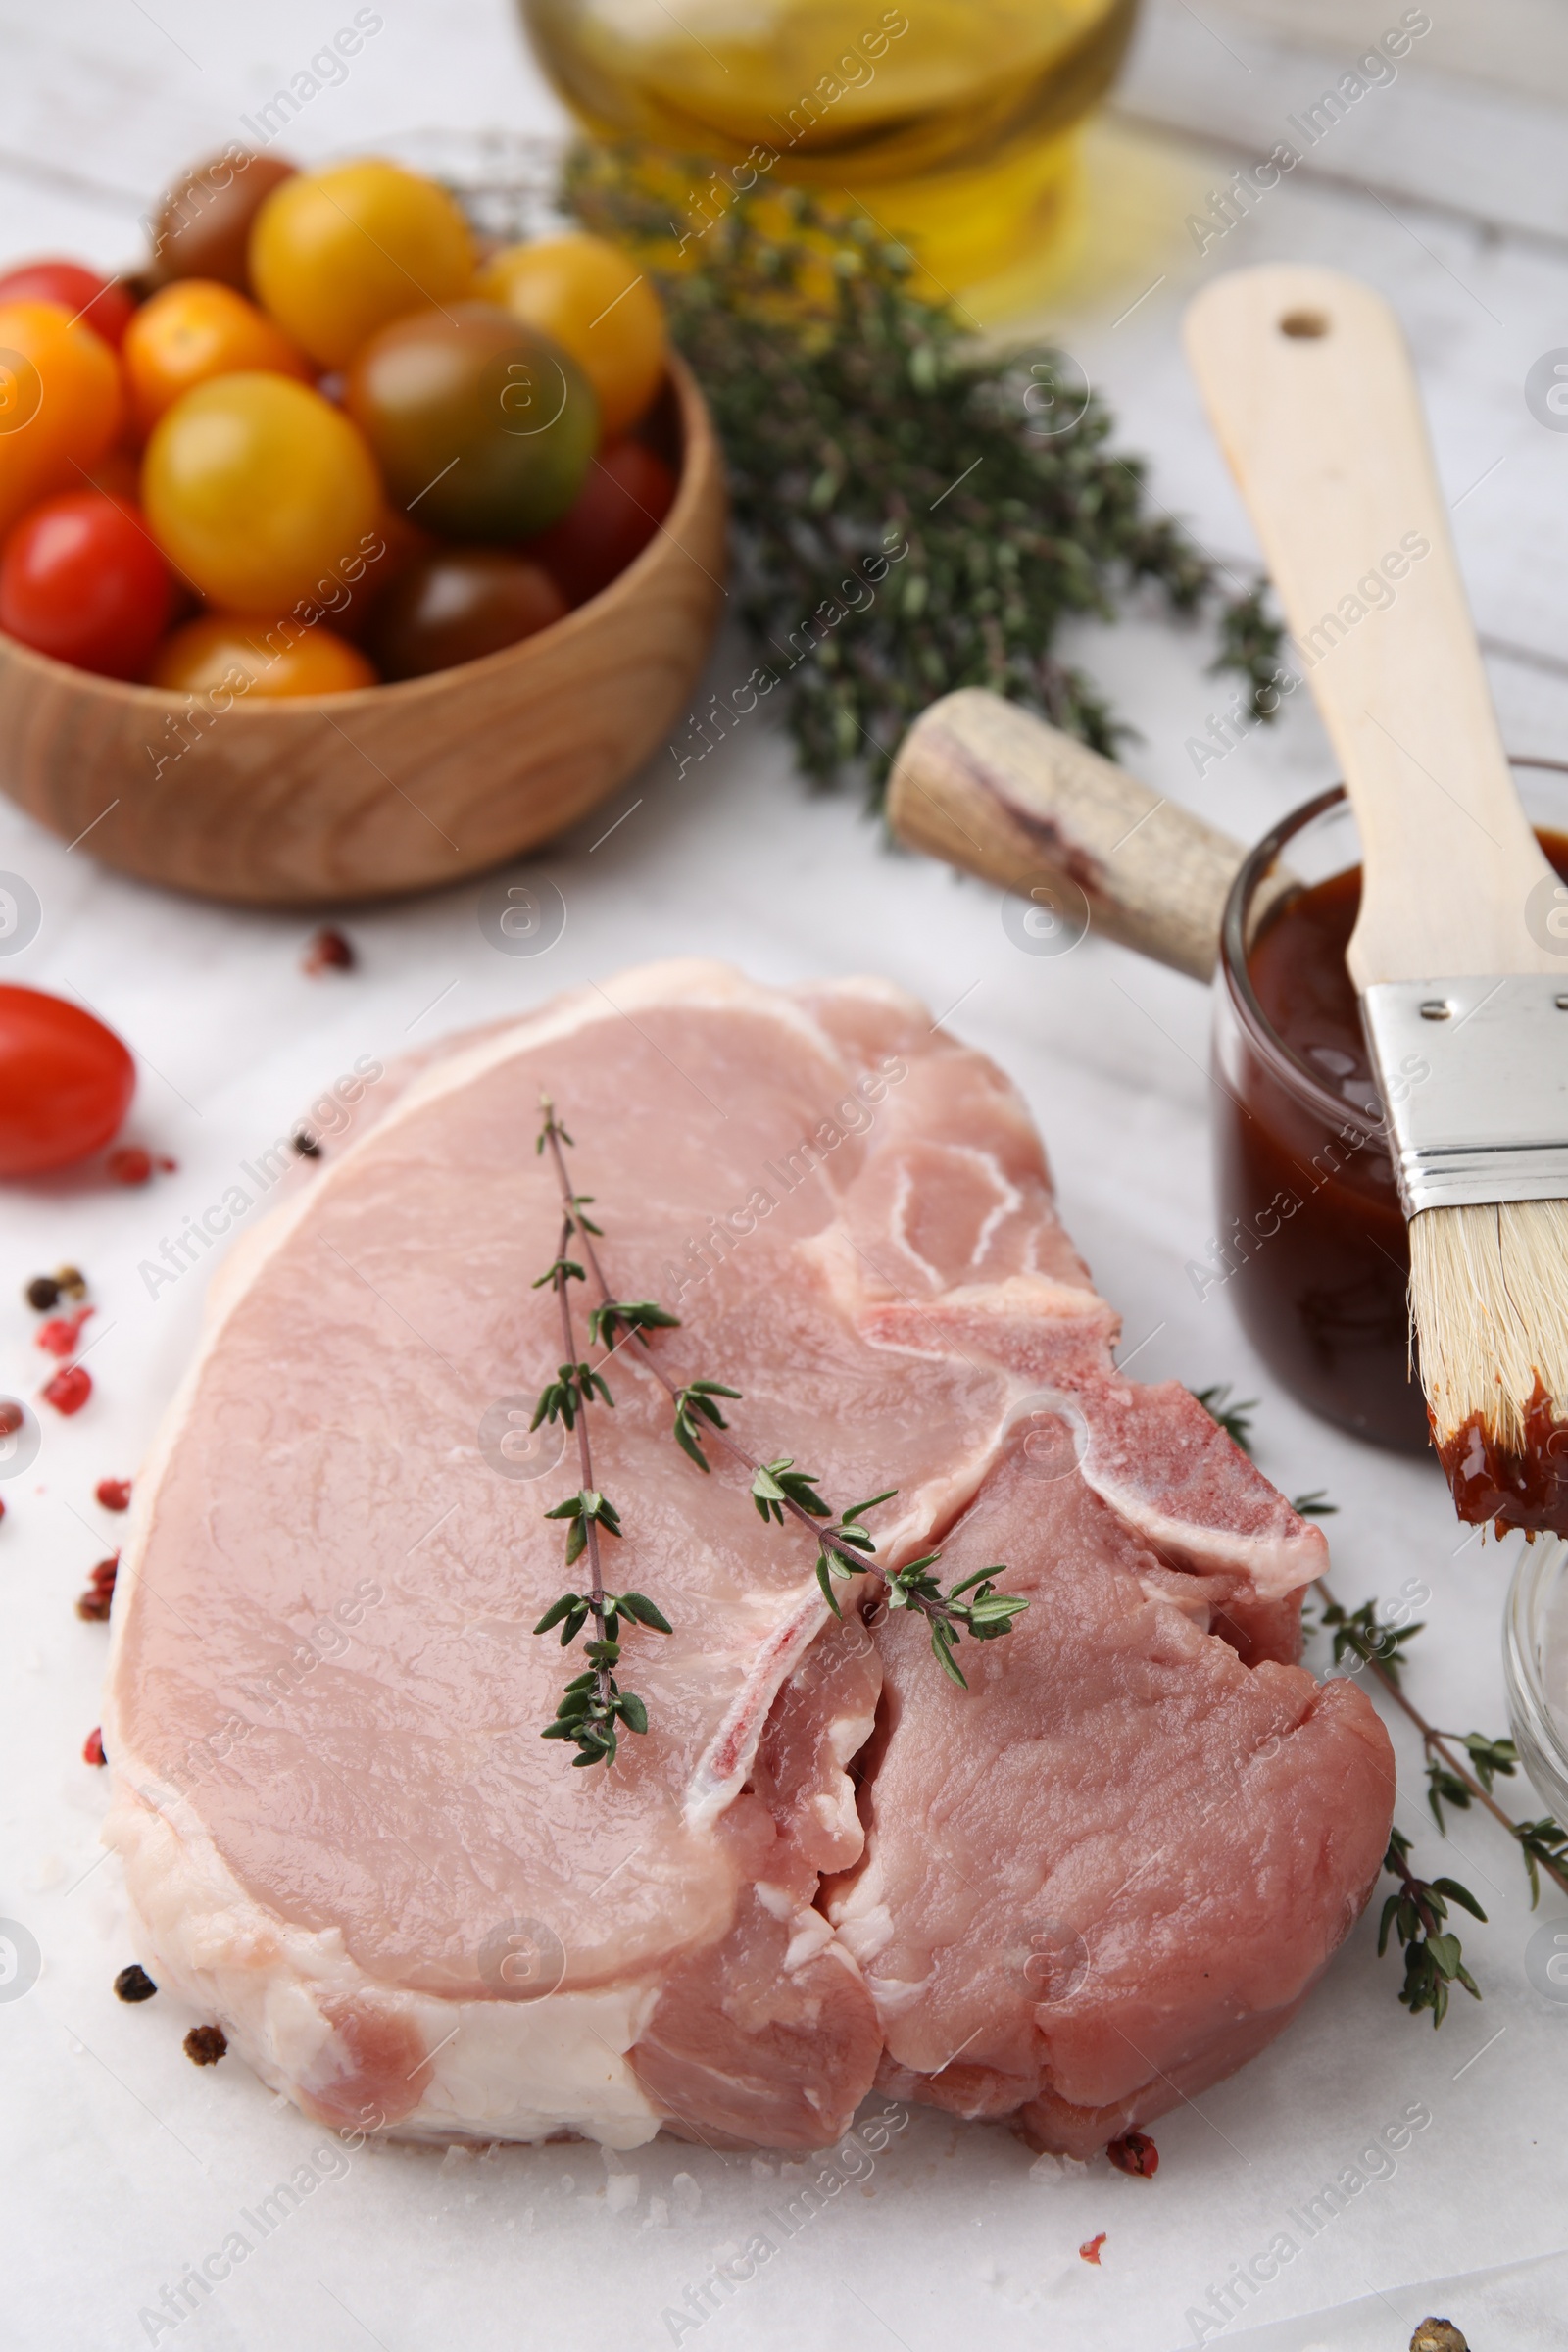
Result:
1460,951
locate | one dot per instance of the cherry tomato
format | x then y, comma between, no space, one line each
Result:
193,331
457,604
204,222
250,655
258,489
65,1082
60,403
622,502
335,255
483,428
82,578
595,302
105,306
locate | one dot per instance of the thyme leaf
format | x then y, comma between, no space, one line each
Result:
639,1315
1544,1846
693,1404
575,1385
775,1484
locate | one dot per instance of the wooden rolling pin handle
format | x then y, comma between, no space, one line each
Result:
989,788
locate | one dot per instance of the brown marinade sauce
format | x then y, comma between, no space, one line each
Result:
1325,1300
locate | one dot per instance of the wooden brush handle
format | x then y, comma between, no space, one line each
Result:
988,788
1310,389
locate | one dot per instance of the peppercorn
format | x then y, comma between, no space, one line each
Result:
1135,2153
206,2044
113,1494
1438,2335
306,1145
92,1748
134,1984
42,1293
94,1603
70,1388
327,951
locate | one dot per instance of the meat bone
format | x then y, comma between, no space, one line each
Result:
992,789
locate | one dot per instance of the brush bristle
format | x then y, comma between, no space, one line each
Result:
1488,1293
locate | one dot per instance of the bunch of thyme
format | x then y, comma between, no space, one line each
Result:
859,416
593,1702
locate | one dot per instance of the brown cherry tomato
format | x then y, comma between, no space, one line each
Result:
621,505
203,228
482,427
241,655
457,604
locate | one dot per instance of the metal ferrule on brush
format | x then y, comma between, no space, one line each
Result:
1474,1080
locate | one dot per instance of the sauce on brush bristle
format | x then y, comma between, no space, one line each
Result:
1524,1487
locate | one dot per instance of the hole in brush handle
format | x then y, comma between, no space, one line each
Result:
1305,327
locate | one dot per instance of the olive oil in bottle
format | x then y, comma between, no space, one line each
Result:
949,120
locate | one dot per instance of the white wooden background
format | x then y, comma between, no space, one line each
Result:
122,2163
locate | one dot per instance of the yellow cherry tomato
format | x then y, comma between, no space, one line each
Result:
336,253
260,492
61,403
595,302
241,654
196,329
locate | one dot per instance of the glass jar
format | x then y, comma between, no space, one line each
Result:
951,123
1535,1666
1311,1246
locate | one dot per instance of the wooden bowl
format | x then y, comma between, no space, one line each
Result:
392,788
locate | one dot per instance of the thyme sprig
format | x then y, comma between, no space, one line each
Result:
780,1490
1433,1960
1451,1779
859,416
593,1703
1461,1770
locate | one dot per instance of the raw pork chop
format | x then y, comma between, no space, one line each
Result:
344,1839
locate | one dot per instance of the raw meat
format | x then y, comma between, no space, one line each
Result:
346,1843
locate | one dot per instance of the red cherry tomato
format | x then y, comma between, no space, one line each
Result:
621,506
65,1082
83,578
101,305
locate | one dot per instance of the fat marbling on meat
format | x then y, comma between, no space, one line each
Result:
1101,1880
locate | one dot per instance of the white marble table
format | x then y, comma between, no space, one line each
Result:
123,2164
